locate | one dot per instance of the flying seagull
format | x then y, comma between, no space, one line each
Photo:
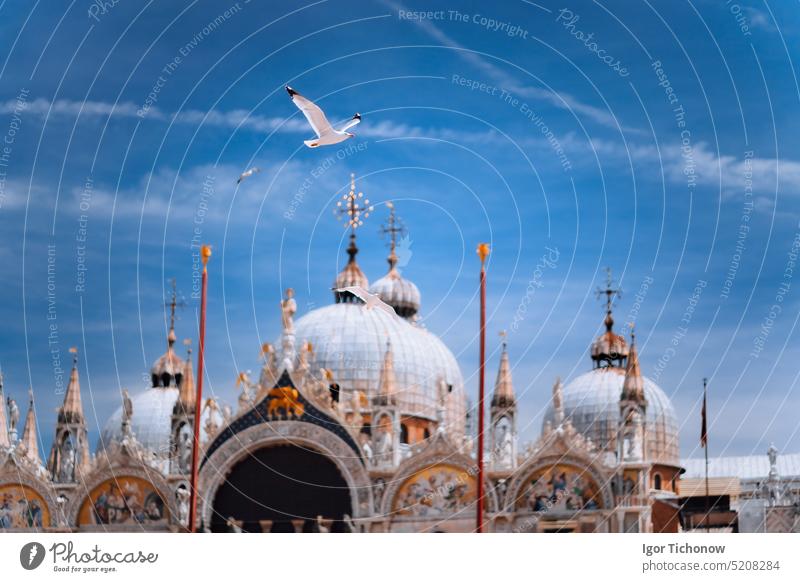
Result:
247,174
326,134
370,300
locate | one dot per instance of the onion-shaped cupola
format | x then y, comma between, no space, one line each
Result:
610,349
392,288
354,208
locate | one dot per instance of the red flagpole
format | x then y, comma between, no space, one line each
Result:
483,252
205,253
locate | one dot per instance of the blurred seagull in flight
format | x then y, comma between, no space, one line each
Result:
326,134
370,300
247,174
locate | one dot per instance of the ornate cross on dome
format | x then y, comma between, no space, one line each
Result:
173,304
393,227
354,210
610,292
352,207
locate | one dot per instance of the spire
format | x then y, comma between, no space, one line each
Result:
30,442
633,386
504,385
72,409
186,395
5,440
353,210
558,403
387,387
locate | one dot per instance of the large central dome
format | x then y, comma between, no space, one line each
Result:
351,341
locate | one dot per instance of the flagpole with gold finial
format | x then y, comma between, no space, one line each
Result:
483,253
205,254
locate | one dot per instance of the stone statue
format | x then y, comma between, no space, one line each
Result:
182,496
13,415
127,406
127,413
377,493
355,419
772,453
384,445
288,309
635,445
66,472
558,403
245,398
185,448
505,444
211,425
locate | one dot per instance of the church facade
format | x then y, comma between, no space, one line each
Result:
357,422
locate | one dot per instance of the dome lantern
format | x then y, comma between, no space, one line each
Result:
392,288
610,349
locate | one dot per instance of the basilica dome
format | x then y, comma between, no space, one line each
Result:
351,341
152,409
591,403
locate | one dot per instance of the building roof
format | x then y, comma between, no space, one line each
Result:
745,467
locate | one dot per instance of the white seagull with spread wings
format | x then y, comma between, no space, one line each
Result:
370,300
326,134
247,174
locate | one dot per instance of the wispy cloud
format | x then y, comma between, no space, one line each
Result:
560,100
710,168
235,119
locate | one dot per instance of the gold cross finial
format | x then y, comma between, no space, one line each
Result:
610,292
173,304
353,207
393,227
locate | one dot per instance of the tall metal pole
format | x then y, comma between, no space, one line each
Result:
205,253
483,252
705,445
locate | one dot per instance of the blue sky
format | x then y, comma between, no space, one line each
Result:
656,138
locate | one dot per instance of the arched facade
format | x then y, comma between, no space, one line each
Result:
281,433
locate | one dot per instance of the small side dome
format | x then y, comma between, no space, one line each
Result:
402,294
